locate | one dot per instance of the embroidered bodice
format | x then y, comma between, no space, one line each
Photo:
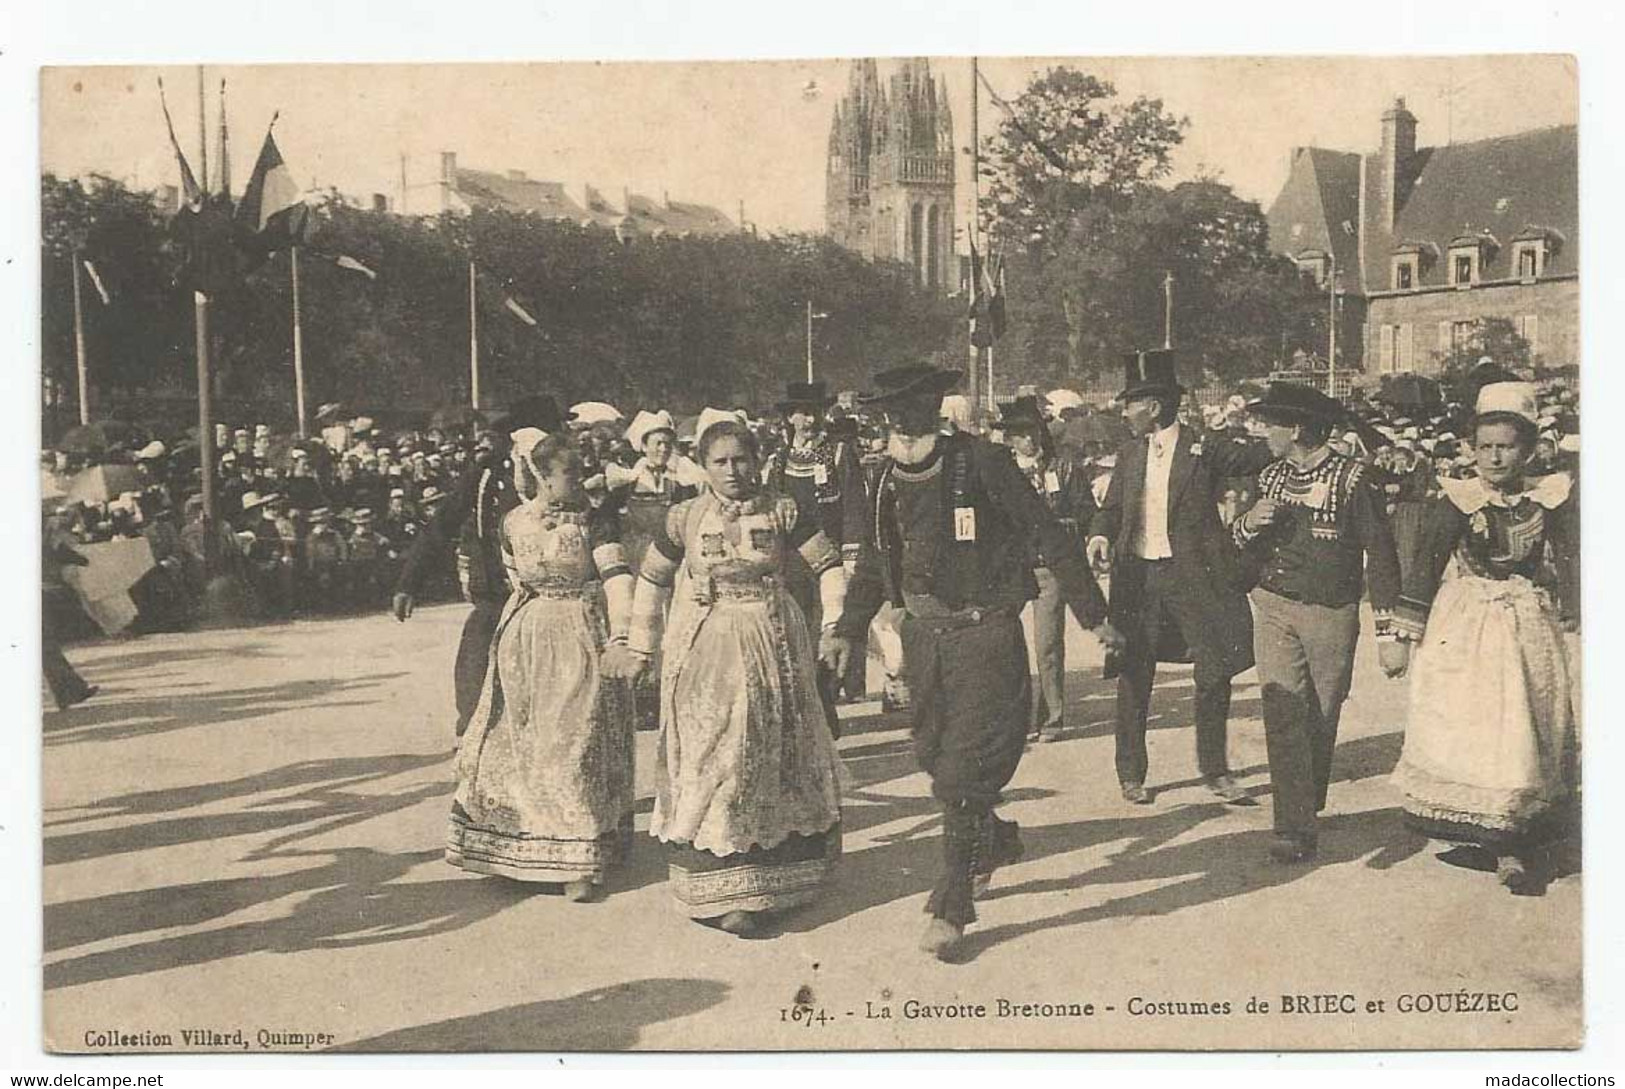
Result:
548,547
1505,535
727,541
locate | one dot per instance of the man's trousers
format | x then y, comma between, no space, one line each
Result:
1162,603
1305,656
972,698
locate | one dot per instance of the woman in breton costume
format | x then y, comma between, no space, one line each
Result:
544,774
1491,745
747,789
644,494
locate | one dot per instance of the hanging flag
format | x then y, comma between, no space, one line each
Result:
981,332
344,260
202,225
518,311
191,192
273,211
225,148
96,280
996,319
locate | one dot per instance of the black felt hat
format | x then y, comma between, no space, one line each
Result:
911,381
1022,414
539,410
813,395
1294,403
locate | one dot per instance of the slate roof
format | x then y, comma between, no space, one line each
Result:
1321,194
1501,186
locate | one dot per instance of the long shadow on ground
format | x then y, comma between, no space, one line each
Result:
603,1019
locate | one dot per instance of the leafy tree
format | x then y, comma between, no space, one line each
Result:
682,322
1090,239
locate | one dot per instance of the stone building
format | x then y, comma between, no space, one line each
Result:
889,181
1430,242
459,189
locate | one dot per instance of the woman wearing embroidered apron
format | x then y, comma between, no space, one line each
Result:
747,790
1491,745
544,774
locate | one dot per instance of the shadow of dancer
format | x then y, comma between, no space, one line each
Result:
608,1018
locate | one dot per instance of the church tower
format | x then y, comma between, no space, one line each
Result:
889,181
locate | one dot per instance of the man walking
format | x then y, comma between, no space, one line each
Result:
1177,591
472,517
1318,534
1064,487
954,521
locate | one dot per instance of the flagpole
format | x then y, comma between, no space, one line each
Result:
1168,309
809,343
473,342
202,135
79,342
298,345
205,425
975,208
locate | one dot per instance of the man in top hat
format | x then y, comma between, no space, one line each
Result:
1317,537
469,519
821,474
1177,588
954,520
1065,488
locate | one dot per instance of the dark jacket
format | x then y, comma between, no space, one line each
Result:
1207,565
470,518
917,551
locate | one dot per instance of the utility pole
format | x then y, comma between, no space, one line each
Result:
473,341
1331,339
809,342
975,214
202,136
298,345
1168,309
79,341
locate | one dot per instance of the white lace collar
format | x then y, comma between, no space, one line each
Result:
1472,495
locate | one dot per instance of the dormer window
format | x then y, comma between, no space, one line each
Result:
1316,263
1527,255
1469,253
1532,248
1410,261
1463,267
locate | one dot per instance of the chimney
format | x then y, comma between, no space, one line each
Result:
448,168
1396,160
380,202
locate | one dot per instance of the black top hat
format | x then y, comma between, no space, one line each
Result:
539,411
909,381
1022,414
1294,403
1147,373
813,395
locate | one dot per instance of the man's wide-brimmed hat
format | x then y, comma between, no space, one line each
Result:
1148,373
1294,403
1022,414
813,395
539,410
909,382
254,500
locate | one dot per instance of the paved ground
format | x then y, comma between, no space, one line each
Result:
243,831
